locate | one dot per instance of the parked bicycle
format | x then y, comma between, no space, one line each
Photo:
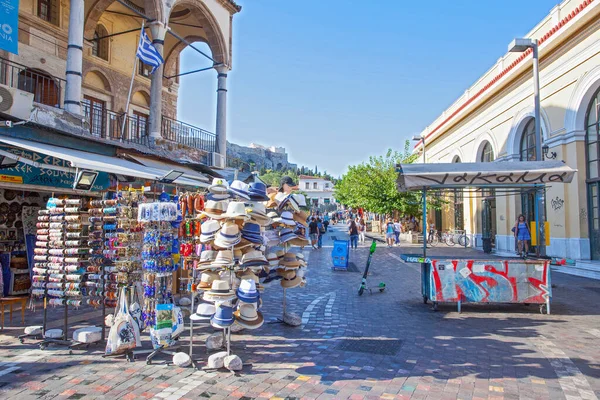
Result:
452,238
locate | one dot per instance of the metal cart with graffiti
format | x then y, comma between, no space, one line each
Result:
483,281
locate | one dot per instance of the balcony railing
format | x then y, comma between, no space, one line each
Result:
46,89
104,124
188,135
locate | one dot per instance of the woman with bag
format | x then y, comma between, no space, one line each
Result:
353,231
361,231
522,234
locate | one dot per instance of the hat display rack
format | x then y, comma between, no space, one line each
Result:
289,224
60,262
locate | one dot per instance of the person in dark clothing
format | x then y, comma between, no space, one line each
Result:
353,231
313,231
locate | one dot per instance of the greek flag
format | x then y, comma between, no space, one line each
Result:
147,53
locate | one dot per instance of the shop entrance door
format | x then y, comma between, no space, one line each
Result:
594,219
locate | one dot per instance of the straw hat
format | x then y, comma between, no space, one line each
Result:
240,189
284,273
286,234
286,218
214,209
228,236
248,274
273,259
248,317
258,191
291,283
258,213
236,210
223,258
280,254
252,233
290,261
207,257
300,217
254,258
300,199
209,230
219,291
204,312
272,202
207,279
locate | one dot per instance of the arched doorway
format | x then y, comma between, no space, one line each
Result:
592,158
488,214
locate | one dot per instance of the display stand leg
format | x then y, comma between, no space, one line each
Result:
228,341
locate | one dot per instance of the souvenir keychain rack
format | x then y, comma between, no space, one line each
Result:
158,268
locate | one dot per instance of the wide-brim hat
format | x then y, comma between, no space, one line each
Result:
241,316
218,197
206,280
300,217
258,191
290,260
207,257
291,283
299,241
213,209
236,210
204,312
240,189
272,202
286,274
285,237
228,236
286,218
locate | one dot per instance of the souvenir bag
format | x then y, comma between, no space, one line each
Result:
136,311
178,324
161,333
124,334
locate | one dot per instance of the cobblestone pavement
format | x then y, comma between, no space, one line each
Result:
386,345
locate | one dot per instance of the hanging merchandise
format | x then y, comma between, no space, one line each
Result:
124,335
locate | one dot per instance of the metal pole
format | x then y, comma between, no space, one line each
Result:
424,221
540,249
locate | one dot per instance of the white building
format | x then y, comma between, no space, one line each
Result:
318,191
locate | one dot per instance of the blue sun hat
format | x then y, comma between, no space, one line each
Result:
258,191
223,317
239,189
247,291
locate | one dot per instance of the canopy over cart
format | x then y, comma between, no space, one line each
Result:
467,281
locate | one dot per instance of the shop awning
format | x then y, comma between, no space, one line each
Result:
495,174
156,164
98,162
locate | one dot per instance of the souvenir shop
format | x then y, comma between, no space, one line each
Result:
149,260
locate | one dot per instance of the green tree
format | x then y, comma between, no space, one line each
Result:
372,185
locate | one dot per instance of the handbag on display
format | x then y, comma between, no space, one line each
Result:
124,334
161,334
178,324
136,311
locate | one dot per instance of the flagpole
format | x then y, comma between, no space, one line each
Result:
135,61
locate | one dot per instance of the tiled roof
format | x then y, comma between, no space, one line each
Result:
523,55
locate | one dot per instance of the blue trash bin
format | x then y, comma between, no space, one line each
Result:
340,253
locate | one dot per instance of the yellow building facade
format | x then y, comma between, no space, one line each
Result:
493,121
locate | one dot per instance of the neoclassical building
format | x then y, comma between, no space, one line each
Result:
493,121
111,34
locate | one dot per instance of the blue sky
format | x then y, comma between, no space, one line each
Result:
337,81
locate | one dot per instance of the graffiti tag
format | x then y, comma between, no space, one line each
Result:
557,203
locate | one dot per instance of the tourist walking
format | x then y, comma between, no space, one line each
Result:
397,230
326,221
313,232
362,228
321,228
522,234
389,232
353,231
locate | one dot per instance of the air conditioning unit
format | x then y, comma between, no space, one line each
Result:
16,103
218,161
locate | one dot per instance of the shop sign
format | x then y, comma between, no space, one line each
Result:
11,178
31,175
9,25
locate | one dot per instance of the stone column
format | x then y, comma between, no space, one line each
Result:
221,126
158,31
74,58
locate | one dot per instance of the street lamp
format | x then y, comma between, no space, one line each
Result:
418,139
519,46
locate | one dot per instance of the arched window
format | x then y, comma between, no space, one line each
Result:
48,10
527,148
99,45
487,154
44,88
592,157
